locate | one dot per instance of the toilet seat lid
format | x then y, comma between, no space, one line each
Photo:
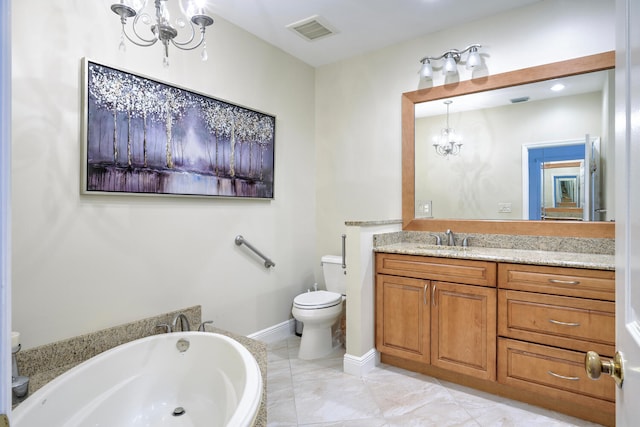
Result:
318,299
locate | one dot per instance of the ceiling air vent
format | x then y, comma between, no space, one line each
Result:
312,28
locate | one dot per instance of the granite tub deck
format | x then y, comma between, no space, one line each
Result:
597,254
44,363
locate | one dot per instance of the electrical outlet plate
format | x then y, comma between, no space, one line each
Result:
504,207
427,208
424,209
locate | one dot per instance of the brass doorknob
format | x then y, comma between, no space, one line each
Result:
594,366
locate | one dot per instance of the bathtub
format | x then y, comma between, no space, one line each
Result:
176,379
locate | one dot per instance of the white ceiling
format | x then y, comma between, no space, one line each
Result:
361,25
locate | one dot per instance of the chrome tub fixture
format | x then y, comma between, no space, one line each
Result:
450,61
152,24
19,383
180,319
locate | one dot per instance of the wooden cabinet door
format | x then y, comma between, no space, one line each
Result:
402,317
463,329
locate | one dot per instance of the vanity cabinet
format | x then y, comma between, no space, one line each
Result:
515,330
437,311
548,318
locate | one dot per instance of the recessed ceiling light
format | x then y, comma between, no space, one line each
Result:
557,87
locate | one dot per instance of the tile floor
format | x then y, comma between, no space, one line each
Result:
318,394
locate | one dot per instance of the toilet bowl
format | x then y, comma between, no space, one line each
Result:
320,310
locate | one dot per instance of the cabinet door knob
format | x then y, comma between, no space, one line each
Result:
594,366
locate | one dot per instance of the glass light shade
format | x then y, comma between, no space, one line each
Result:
164,13
426,72
450,66
136,5
139,4
474,59
192,7
448,137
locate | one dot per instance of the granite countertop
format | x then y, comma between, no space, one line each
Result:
517,256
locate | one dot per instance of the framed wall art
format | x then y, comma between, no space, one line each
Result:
144,136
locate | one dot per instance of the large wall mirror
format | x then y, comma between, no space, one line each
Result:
531,159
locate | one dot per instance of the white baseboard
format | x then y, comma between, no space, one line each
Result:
275,333
360,366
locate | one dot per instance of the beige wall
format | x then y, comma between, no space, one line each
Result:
82,263
358,117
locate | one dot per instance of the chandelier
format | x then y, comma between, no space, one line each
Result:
448,143
450,60
150,25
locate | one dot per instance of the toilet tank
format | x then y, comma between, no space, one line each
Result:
334,275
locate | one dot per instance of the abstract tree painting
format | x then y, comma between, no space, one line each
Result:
148,137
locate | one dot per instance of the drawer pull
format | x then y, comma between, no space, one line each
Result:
424,294
557,322
562,377
564,282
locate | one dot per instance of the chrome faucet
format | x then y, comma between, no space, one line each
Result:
165,326
438,238
451,240
19,383
184,323
201,328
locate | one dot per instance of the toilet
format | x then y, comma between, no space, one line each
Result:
320,310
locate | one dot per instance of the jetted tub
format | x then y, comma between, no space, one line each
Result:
176,379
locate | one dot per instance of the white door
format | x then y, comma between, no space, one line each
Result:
628,209
5,245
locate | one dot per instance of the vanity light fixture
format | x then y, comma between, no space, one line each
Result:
450,60
156,25
447,143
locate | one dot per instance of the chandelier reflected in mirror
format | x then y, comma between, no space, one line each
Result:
448,143
151,24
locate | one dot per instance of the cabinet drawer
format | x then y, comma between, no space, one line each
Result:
445,269
555,372
575,323
576,282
